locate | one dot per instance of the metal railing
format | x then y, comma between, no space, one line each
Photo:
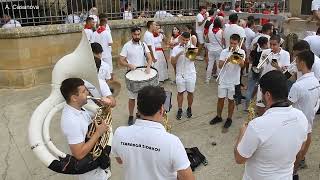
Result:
40,12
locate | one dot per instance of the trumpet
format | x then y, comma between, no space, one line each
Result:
234,57
258,68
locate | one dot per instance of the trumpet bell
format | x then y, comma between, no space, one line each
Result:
191,54
235,58
115,87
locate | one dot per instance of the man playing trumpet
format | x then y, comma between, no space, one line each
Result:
230,65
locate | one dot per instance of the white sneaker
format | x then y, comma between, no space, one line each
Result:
200,58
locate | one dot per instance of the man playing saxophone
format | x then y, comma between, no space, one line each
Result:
75,121
229,76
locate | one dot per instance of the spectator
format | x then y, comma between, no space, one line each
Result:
93,13
127,14
88,28
10,23
142,15
237,9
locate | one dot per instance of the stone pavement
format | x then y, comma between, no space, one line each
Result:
17,161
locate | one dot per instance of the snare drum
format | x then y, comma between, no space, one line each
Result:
138,78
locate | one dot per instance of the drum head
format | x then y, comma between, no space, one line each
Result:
139,74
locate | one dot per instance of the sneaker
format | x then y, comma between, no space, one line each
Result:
189,113
216,120
228,123
130,120
179,114
137,116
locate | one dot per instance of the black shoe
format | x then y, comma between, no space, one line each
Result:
228,123
189,113
179,114
216,120
130,120
137,116
295,177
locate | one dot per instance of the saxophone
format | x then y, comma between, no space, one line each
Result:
103,114
251,111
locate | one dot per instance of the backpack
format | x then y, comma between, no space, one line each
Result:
195,157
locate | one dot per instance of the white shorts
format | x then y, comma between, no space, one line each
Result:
259,98
186,83
315,5
224,92
132,95
200,38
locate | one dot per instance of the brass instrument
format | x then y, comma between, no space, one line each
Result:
290,69
234,57
191,52
251,111
103,114
166,123
258,68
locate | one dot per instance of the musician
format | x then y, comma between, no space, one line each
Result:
229,77
279,59
186,73
88,28
201,19
134,54
103,36
102,67
268,145
149,39
74,124
145,149
305,92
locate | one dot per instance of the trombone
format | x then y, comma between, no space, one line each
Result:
258,68
234,59
190,52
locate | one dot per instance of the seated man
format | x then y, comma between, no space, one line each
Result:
75,121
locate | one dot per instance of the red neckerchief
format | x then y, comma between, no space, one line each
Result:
87,26
155,34
175,36
215,30
101,29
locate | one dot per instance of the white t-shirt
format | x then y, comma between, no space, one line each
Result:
283,59
315,68
149,152
104,71
215,40
104,39
255,40
74,125
314,42
271,143
158,41
162,14
89,34
135,53
127,15
184,66
315,5
149,40
11,24
199,18
305,95
233,29
231,72
104,89
250,35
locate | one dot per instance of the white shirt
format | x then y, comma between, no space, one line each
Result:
314,42
162,14
104,89
215,40
231,72
72,18
158,41
283,59
127,15
305,95
271,143
315,5
184,66
250,35
104,39
149,152
255,40
149,40
104,71
315,68
11,24
199,18
135,53
89,34
233,29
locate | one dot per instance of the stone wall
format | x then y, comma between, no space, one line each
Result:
28,54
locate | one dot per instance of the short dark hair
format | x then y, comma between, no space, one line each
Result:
150,99
149,23
96,48
262,41
237,6
135,28
250,18
275,82
70,87
235,37
201,7
275,38
233,18
307,57
211,12
186,34
250,23
301,45
217,23
103,20
89,19
266,27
